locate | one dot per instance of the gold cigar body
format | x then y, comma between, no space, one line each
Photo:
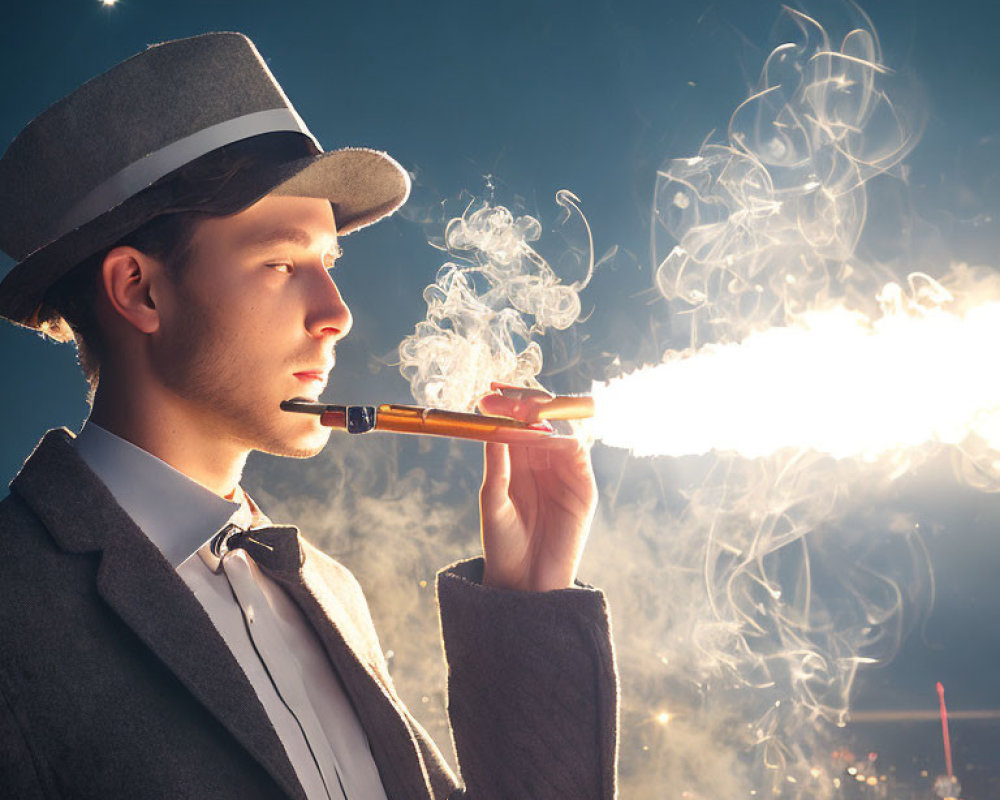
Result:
567,406
396,418
435,422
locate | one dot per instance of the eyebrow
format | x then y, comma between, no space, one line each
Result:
285,235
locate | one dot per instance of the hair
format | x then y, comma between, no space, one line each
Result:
211,186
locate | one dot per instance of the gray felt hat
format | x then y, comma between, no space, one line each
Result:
84,173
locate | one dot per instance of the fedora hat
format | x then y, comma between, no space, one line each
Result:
87,171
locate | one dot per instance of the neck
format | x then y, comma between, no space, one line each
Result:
164,426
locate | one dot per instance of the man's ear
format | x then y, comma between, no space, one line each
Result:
126,276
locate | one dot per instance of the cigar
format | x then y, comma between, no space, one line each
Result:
566,406
397,418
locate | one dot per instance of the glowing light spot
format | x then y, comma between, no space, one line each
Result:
834,382
777,148
663,718
681,200
108,3
947,787
872,780
816,772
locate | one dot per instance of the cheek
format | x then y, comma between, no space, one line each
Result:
237,321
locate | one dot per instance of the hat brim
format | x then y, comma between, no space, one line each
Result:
362,185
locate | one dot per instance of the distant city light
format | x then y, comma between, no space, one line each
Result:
108,2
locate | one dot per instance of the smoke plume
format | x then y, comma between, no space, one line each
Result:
755,570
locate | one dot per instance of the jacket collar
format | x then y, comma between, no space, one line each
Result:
144,590
340,620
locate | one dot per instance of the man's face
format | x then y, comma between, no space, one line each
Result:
252,320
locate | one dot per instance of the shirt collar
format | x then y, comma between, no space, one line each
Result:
248,516
176,513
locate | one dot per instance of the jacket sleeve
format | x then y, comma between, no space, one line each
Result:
18,776
532,689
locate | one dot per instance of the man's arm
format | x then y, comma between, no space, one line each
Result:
532,689
18,776
532,685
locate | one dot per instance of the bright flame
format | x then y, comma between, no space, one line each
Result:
833,381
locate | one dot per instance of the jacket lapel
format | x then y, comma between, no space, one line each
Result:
334,605
145,591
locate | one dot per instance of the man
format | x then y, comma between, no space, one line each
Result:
160,637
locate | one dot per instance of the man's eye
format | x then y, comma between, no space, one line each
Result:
281,267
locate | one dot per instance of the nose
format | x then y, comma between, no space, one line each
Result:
328,315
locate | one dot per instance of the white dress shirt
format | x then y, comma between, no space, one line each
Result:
262,626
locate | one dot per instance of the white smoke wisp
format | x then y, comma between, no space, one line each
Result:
486,307
749,575
811,381
765,226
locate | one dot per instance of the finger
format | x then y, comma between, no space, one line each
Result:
516,402
496,473
539,458
538,404
515,391
566,456
516,435
566,482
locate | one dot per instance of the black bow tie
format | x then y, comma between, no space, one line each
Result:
275,548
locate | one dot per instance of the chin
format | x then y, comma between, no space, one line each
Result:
300,443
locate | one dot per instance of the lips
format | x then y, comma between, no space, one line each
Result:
315,372
312,380
312,375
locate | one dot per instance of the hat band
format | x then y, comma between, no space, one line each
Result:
150,168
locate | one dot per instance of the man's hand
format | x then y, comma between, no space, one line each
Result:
537,501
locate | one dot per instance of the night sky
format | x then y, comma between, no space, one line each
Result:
535,97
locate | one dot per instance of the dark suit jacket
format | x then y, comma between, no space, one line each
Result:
114,682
